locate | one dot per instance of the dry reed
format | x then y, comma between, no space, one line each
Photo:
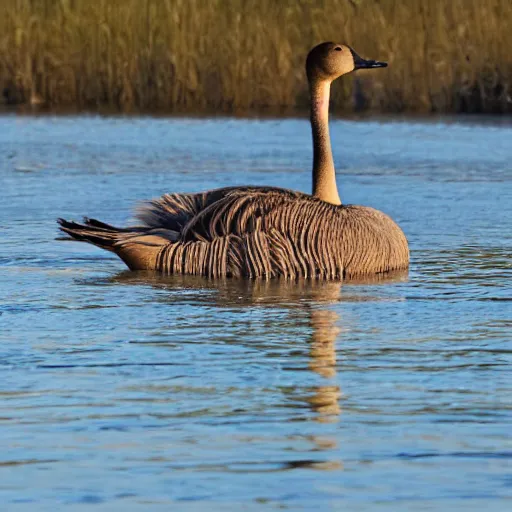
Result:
243,55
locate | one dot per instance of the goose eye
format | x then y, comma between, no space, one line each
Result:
338,49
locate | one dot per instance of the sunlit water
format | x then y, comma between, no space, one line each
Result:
131,391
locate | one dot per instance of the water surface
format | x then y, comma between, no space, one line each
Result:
140,391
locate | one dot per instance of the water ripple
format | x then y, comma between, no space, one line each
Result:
135,390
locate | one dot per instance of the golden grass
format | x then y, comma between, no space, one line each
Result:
247,55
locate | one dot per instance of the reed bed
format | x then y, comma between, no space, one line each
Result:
248,55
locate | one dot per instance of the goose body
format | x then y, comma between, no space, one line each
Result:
264,232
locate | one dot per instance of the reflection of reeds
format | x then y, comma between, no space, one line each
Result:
228,55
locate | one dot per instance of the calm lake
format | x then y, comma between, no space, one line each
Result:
123,391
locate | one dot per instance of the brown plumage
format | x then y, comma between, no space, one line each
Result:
253,232
264,232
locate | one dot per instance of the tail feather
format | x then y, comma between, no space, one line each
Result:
98,224
137,247
100,236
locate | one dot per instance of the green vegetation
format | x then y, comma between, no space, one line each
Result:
247,55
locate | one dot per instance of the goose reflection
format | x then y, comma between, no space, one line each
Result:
295,324
227,292
307,305
325,399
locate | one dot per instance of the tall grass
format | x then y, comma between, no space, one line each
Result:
232,55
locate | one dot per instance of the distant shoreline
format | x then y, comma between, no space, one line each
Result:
443,118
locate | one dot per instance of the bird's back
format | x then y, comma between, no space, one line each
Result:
269,232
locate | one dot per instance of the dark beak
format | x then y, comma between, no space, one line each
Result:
360,63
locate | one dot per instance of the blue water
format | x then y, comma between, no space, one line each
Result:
138,392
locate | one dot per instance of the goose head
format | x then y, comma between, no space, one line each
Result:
329,61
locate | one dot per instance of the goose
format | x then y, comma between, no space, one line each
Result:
263,232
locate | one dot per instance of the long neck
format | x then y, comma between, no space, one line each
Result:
324,176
